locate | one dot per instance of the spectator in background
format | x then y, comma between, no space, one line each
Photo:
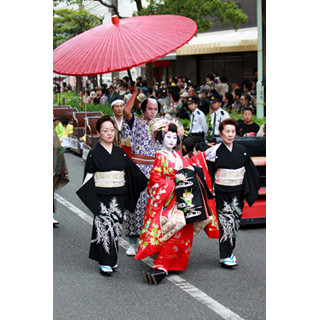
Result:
123,89
138,82
58,127
103,97
86,97
192,92
236,100
210,80
247,87
218,114
171,109
60,170
181,84
113,95
216,78
162,90
81,97
69,87
144,87
227,101
222,87
172,81
183,107
262,131
96,100
198,124
234,86
247,128
126,80
68,131
204,100
93,95
245,101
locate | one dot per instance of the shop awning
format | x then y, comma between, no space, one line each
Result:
245,39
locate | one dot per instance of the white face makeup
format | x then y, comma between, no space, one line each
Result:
169,141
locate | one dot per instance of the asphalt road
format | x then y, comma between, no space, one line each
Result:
210,292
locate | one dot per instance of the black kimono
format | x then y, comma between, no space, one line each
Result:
234,176
116,184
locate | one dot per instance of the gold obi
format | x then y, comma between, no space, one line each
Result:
230,177
109,179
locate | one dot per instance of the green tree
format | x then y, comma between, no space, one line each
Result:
204,12
68,23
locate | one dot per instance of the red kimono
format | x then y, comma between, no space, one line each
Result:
173,247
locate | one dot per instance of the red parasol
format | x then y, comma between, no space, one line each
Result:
122,44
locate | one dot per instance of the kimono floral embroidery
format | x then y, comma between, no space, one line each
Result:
228,222
108,226
165,231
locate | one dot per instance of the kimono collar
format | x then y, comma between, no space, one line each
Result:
230,149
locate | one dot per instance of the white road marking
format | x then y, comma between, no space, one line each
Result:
193,291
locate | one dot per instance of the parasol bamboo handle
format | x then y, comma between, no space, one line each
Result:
130,77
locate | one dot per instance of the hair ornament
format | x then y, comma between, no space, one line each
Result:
162,124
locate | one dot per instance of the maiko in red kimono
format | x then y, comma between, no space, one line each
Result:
173,247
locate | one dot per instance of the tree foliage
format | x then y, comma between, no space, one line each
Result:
68,23
204,12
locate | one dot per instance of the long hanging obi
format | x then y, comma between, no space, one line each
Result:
162,207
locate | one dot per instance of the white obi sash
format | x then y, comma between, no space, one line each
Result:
230,177
109,179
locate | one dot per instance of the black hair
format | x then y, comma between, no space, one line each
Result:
173,128
223,79
229,97
124,85
248,85
248,108
175,96
210,76
237,92
102,120
201,146
247,97
64,120
189,143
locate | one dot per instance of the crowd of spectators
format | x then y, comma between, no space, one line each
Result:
173,96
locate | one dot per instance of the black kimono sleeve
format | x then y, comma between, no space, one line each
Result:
136,182
251,182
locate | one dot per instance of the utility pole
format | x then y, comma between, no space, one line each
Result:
259,85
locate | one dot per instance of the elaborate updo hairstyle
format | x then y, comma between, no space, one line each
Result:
102,120
173,128
226,122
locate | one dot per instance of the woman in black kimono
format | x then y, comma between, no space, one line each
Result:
235,178
112,182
